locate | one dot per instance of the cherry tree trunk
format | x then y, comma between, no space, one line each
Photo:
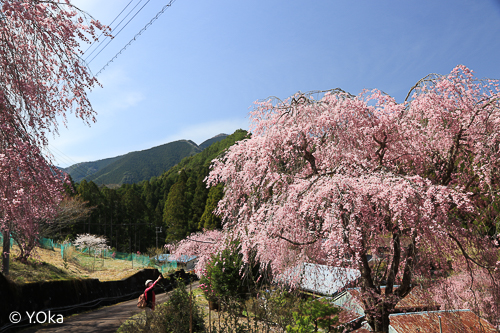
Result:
379,318
6,251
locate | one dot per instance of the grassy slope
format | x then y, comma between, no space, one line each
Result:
48,265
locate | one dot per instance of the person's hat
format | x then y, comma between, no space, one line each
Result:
147,282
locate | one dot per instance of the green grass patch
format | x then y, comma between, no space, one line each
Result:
35,271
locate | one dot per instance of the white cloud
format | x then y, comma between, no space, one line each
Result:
118,94
119,101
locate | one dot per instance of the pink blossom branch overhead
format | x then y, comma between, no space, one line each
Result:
42,77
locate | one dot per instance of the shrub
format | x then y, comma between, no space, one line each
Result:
277,306
68,252
226,278
154,251
176,312
313,314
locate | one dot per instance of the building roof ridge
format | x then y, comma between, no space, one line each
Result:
427,312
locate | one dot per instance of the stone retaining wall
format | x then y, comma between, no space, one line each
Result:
65,295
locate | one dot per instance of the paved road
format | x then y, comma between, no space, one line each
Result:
103,320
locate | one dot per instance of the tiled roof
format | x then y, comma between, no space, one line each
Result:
463,321
347,318
321,279
416,300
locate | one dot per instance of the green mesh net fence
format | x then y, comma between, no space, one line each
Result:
136,259
1,240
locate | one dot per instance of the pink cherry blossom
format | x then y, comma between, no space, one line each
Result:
42,80
335,179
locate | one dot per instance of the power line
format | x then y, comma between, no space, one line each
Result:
109,25
81,170
60,158
77,169
119,31
137,35
102,42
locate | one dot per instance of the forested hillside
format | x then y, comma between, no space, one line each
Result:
83,170
137,166
178,201
209,142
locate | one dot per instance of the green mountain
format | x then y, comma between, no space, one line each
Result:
177,200
201,161
137,166
208,143
84,170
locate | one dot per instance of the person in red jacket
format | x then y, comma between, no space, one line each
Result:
150,294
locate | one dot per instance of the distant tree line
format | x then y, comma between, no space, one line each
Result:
129,216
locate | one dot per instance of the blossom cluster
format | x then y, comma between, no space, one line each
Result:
201,244
93,243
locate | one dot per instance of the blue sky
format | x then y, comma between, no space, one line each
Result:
198,69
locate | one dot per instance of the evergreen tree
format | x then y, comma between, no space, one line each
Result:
189,197
175,214
199,201
177,199
90,193
134,212
209,220
113,214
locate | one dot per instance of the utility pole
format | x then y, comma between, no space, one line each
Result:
157,235
191,308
